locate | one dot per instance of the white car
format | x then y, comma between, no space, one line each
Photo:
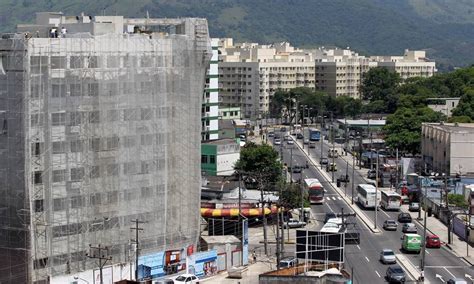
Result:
290,142
277,142
186,278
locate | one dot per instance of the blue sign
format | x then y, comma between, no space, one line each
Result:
151,265
199,262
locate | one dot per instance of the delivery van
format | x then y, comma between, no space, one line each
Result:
411,243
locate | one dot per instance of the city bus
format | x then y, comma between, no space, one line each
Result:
366,195
390,200
315,190
314,134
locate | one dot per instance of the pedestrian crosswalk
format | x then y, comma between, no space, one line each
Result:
333,198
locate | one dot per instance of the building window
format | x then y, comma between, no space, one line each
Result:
76,146
58,119
38,177
95,172
77,174
203,159
212,159
59,175
59,147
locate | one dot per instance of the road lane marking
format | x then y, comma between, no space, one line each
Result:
427,251
330,208
388,216
334,198
444,266
358,246
378,274
449,272
367,259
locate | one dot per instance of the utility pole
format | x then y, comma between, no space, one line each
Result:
376,189
347,177
302,194
353,170
423,241
265,240
101,253
333,150
291,164
240,219
396,164
277,235
136,241
321,135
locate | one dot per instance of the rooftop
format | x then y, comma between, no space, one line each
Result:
452,127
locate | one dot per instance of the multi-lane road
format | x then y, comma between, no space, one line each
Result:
364,258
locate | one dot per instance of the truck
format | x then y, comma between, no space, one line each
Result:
411,243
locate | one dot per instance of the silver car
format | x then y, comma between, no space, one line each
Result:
414,207
390,225
409,228
387,256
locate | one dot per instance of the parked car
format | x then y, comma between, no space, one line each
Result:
323,161
328,216
186,278
290,142
271,134
432,241
387,256
293,223
306,141
293,132
395,274
277,141
283,129
409,228
390,225
312,144
288,262
404,218
372,174
332,167
299,136
414,207
297,169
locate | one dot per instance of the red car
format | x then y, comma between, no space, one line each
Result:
432,241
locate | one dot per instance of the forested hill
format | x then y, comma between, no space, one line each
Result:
444,27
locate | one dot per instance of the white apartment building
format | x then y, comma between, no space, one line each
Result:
339,72
448,148
249,74
413,63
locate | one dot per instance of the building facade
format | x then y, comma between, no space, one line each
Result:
101,123
219,157
443,105
210,104
448,147
249,74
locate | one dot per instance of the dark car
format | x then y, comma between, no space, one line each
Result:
297,169
271,134
329,215
395,274
343,178
372,174
404,218
299,136
323,161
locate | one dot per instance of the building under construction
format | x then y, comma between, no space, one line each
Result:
100,124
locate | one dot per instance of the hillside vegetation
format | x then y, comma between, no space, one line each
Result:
443,27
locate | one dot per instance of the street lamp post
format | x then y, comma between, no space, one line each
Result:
376,189
333,149
353,170
423,252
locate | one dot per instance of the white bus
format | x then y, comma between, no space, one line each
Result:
366,195
315,190
390,200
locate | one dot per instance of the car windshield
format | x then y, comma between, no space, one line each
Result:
391,222
181,278
434,238
389,252
397,270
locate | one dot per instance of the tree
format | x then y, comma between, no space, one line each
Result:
458,200
290,197
403,128
260,163
380,84
466,105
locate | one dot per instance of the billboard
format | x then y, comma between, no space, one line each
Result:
151,266
320,246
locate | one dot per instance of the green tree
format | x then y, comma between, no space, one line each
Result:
403,128
380,84
457,200
290,197
466,105
260,163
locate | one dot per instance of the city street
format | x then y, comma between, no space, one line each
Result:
364,258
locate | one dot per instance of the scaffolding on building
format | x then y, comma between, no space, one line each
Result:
103,129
